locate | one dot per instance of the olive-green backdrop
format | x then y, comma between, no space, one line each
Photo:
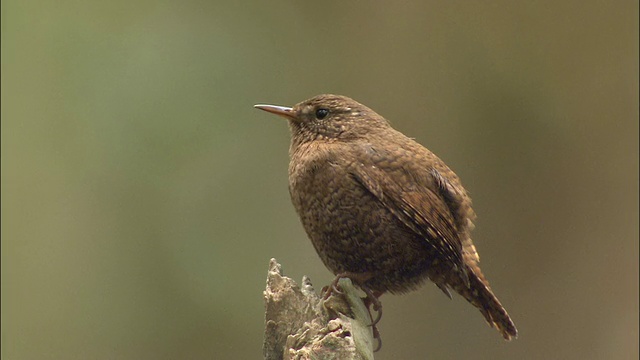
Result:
143,196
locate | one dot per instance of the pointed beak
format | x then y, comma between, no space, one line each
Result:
283,111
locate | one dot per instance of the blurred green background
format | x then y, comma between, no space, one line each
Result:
143,196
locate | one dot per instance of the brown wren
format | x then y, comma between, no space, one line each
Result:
380,208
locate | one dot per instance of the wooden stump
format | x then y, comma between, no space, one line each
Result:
299,324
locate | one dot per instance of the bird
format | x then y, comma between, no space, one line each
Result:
380,208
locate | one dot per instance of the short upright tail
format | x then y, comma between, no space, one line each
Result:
480,295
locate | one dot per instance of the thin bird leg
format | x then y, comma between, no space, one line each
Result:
373,299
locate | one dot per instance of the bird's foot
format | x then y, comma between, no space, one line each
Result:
370,301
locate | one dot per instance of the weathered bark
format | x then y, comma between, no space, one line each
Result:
299,324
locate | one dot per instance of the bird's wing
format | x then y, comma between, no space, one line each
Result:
417,198
459,205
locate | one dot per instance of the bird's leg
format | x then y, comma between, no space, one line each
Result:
372,298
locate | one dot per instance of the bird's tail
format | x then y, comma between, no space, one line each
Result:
478,293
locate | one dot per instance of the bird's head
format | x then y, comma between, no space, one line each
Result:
329,117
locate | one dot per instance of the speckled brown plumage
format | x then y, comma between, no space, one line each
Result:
377,203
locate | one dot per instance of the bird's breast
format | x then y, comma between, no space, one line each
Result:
316,172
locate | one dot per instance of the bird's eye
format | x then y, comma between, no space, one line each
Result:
321,113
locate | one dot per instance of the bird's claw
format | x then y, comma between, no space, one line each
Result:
331,288
371,301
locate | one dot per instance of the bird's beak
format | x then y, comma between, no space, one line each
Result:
283,111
